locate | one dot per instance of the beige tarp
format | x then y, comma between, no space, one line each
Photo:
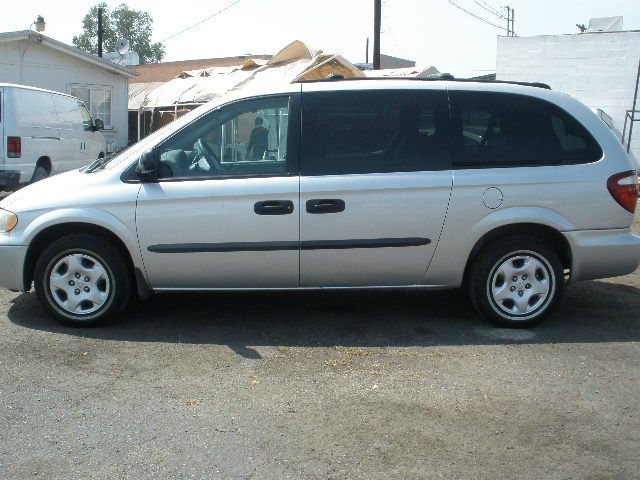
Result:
297,61
409,72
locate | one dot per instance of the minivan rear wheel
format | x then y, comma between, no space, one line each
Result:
82,281
517,282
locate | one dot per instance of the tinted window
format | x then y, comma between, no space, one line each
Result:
510,130
374,132
244,138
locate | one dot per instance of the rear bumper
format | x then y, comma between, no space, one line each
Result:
9,178
12,266
603,253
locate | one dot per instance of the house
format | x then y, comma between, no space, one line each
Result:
165,71
30,58
155,103
387,62
600,68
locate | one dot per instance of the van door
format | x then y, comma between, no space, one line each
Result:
375,185
71,152
34,120
224,213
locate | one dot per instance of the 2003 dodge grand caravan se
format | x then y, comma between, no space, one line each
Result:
510,190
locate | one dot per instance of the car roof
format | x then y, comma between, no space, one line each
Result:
36,89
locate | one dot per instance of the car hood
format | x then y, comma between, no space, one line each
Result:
69,189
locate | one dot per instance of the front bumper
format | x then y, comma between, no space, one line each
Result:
12,266
603,253
9,178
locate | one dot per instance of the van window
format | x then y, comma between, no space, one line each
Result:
497,129
244,138
68,112
374,132
87,123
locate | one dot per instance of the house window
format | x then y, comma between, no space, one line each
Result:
97,98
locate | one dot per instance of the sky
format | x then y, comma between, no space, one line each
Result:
430,32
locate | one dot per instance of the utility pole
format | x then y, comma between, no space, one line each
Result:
366,55
508,20
100,32
513,22
377,11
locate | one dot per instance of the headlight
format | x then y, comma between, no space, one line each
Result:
8,221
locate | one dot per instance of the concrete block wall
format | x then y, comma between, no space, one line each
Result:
597,68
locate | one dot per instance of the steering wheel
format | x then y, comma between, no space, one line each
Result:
209,155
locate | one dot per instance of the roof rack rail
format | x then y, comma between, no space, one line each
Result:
434,78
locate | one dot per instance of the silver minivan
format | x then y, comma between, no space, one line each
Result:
508,190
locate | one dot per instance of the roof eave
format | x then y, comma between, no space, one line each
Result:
63,47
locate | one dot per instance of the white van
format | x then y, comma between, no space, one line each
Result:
44,133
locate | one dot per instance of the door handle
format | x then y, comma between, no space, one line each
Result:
325,205
273,207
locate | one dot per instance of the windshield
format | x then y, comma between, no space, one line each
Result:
151,140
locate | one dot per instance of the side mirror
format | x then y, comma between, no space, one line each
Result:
98,124
147,169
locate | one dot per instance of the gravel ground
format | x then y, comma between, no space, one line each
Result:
323,386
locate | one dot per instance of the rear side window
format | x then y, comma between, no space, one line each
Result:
502,130
374,132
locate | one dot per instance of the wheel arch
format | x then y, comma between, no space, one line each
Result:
45,161
536,230
53,232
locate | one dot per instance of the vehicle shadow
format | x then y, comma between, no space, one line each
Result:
590,312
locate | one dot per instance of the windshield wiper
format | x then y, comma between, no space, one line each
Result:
99,163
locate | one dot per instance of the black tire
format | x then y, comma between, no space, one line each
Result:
98,265
517,301
40,173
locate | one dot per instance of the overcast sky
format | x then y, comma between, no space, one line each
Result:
431,32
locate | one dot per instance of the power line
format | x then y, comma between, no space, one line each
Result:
476,16
393,37
201,21
494,9
489,9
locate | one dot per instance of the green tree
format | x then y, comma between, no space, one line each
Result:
121,22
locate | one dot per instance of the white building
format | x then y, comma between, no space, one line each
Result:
30,58
599,69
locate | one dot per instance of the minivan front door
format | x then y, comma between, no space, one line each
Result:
375,185
225,211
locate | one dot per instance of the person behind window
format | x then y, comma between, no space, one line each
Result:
258,141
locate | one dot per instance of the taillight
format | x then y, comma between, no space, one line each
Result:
14,147
624,189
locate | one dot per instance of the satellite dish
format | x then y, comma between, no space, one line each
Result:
123,46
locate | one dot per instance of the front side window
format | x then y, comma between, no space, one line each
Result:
374,132
98,100
244,138
87,123
497,129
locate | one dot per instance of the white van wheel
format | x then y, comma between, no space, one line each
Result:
40,173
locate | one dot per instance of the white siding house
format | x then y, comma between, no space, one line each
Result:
597,68
30,58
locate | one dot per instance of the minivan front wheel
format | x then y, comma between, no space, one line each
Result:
82,281
517,282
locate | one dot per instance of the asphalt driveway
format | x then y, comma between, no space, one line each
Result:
380,385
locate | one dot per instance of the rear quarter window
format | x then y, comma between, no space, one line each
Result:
508,130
